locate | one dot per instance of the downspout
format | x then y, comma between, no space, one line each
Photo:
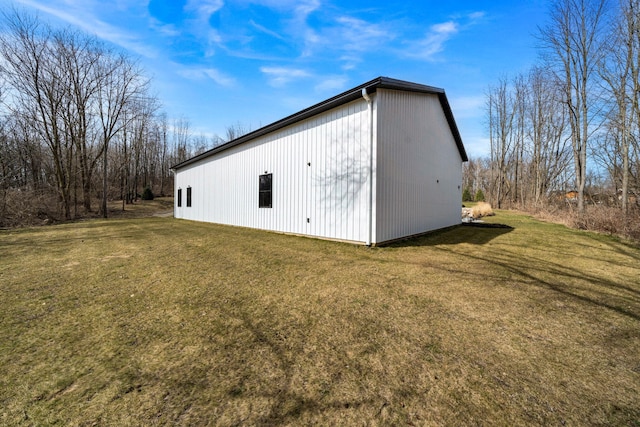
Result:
365,95
175,194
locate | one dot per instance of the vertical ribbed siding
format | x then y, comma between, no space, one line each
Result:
332,192
419,168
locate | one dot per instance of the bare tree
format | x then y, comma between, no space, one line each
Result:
547,121
200,144
621,74
519,111
163,137
181,139
236,131
79,56
122,88
617,150
138,130
501,114
38,93
572,41
7,159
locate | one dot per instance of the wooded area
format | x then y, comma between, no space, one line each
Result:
566,133
79,125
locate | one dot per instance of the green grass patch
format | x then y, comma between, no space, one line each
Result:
150,321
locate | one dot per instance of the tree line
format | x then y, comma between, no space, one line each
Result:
568,129
80,126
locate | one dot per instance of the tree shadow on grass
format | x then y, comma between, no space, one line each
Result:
626,249
584,286
287,404
555,274
475,233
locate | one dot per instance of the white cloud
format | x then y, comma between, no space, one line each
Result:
358,35
299,28
219,77
204,8
211,73
332,84
434,41
122,4
75,14
445,28
350,62
168,30
265,30
476,16
438,35
281,76
306,8
199,26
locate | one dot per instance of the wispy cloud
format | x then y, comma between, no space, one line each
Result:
265,30
475,16
204,8
208,73
359,35
168,30
300,26
281,76
80,16
439,34
305,8
332,84
433,42
219,77
350,61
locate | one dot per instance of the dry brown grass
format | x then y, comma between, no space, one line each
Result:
602,219
608,220
23,208
161,321
28,208
481,209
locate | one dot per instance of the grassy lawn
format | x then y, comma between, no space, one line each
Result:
156,321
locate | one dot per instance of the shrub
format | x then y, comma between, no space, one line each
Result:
21,207
147,194
479,196
466,195
603,219
608,220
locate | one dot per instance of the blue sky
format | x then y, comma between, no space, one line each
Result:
222,62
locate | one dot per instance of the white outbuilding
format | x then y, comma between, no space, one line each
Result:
377,163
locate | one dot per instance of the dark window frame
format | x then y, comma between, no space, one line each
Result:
179,197
188,197
265,191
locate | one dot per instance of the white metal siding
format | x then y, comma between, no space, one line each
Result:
332,192
419,167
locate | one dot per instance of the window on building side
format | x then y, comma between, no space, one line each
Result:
179,197
265,191
188,197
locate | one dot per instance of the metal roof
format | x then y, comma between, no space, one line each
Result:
343,98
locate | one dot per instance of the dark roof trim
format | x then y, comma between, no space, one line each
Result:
343,98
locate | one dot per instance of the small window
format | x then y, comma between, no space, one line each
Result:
188,197
265,191
179,197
